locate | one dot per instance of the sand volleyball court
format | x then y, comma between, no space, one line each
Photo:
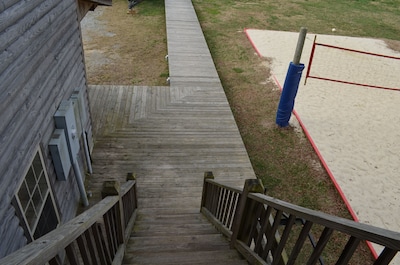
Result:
356,129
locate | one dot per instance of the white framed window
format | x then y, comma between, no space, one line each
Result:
35,202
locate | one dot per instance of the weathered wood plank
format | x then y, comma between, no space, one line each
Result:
28,115
41,64
7,3
173,244
26,18
16,114
15,11
198,257
29,45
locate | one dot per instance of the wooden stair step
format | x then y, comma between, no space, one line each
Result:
182,243
151,230
184,257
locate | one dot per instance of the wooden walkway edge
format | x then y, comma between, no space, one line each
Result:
169,136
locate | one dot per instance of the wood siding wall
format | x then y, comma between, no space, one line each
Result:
41,63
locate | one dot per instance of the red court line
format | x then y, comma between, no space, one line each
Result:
323,162
252,43
351,83
331,176
358,51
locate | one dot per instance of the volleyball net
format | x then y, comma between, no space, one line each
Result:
355,67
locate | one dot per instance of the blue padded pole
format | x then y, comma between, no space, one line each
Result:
289,92
291,85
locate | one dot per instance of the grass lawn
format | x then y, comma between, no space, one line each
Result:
283,158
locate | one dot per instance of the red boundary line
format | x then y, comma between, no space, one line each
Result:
325,165
337,186
357,51
252,43
352,83
331,176
343,81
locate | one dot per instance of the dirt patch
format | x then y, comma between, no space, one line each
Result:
126,49
393,44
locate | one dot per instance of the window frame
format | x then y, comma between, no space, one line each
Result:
22,205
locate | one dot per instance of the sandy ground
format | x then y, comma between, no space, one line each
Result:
356,129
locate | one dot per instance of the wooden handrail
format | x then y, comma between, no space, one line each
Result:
91,237
262,225
361,231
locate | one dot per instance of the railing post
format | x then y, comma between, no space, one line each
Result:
112,188
131,176
130,205
207,175
240,226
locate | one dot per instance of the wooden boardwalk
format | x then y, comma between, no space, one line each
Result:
169,136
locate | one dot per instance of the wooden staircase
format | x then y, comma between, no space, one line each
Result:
177,238
168,145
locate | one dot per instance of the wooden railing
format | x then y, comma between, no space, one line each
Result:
263,229
97,236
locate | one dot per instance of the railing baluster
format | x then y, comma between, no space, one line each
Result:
127,206
83,250
225,204
107,228
225,217
220,204
256,209
232,210
271,234
277,256
98,242
386,256
91,245
219,200
114,230
213,199
72,254
300,242
348,251
119,223
264,220
323,240
211,191
105,246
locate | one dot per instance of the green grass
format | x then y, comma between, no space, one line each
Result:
151,8
283,158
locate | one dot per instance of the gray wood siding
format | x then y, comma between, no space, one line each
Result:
41,63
